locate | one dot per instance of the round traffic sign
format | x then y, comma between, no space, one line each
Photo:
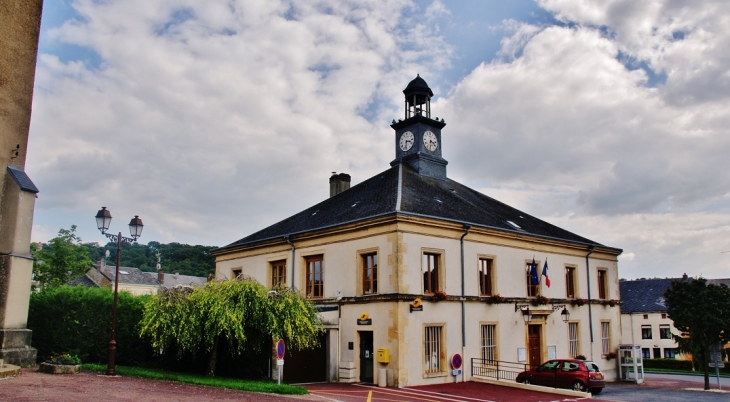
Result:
280,348
456,361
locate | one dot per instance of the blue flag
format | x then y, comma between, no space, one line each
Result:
533,272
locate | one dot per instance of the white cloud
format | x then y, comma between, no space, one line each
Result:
567,128
207,119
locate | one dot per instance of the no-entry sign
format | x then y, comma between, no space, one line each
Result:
456,361
280,349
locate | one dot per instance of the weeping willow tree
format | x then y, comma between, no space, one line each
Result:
239,311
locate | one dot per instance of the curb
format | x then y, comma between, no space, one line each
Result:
531,387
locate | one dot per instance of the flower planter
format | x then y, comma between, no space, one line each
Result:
59,368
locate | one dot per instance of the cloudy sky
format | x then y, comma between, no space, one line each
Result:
211,120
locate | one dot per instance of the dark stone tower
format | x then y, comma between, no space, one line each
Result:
418,136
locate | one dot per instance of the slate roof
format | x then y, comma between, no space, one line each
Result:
644,295
172,280
402,190
83,280
130,275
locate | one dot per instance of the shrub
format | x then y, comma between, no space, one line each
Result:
64,359
673,364
78,320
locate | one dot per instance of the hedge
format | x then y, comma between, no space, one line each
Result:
673,364
78,320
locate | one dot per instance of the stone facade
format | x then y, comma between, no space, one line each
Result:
19,30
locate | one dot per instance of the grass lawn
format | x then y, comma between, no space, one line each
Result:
230,383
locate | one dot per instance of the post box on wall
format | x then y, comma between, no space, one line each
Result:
383,355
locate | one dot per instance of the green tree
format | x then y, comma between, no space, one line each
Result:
63,258
243,312
703,311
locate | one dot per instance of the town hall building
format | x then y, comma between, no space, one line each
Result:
409,268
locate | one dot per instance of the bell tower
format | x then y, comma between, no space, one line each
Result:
418,136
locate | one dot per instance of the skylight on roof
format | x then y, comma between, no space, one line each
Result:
514,225
124,272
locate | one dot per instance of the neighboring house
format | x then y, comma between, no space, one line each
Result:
134,281
644,319
369,253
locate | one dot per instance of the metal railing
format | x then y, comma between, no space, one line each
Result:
497,369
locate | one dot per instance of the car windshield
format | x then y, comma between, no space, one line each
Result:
592,367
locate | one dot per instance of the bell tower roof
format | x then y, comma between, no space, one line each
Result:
417,87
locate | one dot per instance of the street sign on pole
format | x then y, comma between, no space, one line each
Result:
280,349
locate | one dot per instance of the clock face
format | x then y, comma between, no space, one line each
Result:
430,141
406,141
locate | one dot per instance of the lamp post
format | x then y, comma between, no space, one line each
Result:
103,219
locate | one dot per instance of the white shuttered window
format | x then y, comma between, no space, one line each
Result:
489,345
573,338
605,338
432,349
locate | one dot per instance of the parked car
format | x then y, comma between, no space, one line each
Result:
574,374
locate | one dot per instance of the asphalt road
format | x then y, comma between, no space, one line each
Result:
666,388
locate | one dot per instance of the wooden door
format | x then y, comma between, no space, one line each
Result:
534,349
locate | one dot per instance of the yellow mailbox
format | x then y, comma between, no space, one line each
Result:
383,355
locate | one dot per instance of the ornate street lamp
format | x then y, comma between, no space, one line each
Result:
527,315
565,315
103,219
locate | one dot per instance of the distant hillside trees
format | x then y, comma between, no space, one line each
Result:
175,257
66,252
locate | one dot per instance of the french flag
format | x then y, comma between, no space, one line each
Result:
545,273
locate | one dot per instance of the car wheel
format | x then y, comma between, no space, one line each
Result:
596,391
526,381
578,386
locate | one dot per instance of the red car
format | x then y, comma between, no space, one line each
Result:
575,374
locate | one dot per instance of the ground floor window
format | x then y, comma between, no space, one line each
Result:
432,344
489,345
646,353
605,337
573,339
670,353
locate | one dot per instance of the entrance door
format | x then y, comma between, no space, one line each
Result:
366,356
533,347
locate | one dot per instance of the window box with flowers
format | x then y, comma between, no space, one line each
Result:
578,302
539,300
495,299
609,303
439,295
64,363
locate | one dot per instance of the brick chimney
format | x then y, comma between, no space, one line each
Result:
339,183
160,276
